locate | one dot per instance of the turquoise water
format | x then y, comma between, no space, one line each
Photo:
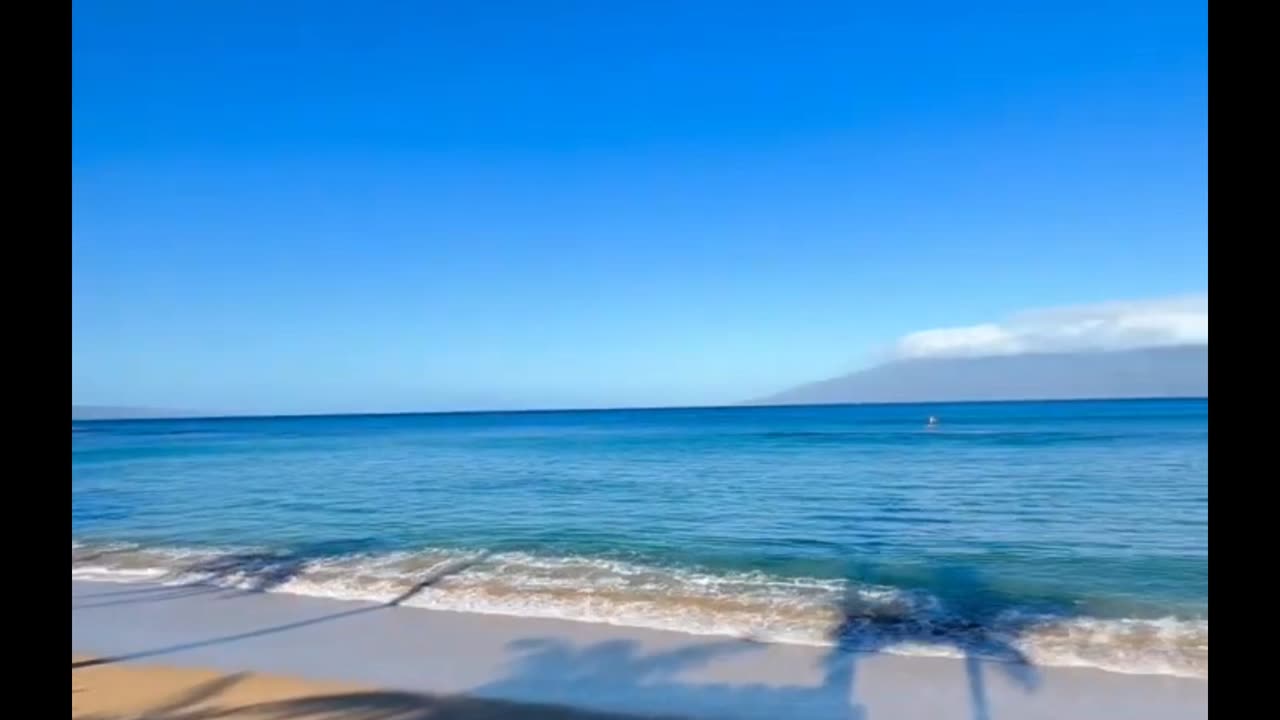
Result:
1071,532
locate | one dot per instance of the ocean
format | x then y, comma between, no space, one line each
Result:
1059,533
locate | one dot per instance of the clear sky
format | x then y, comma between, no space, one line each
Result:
341,206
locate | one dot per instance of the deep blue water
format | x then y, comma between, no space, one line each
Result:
1091,517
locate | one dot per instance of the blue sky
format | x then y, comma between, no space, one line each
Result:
330,206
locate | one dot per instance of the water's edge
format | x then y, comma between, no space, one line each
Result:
803,611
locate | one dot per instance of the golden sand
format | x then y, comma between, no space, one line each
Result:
132,692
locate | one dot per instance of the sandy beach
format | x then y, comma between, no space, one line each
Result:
143,648
115,692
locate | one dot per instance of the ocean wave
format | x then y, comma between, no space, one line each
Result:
752,604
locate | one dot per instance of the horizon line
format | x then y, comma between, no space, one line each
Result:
650,408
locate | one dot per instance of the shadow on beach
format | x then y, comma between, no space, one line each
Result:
256,573
620,674
983,634
252,572
224,574
378,705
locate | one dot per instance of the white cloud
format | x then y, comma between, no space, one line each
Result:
1104,326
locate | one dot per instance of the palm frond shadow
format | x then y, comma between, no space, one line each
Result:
547,674
205,702
255,572
983,633
265,570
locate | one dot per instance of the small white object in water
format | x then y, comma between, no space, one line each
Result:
933,420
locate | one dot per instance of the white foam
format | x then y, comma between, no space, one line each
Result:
123,575
612,592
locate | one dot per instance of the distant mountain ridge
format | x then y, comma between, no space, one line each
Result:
1178,371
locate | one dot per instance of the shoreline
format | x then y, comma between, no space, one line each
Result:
594,667
793,611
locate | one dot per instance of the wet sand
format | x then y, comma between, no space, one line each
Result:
138,645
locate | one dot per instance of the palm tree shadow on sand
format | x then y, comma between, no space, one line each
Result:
983,631
256,573
544,669
551,673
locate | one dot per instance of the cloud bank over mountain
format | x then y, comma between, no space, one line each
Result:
1131,349
1161,322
